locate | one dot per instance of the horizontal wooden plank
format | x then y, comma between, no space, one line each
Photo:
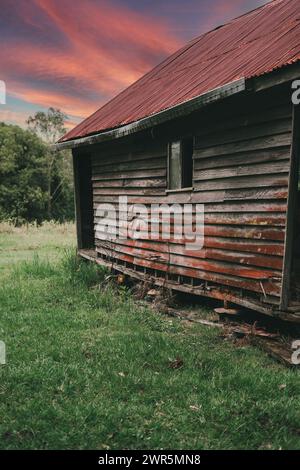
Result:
131,183
222,195
200,262
256,194
153,163
228,195
174,261
247,233
249,300
259,143
137,191
266,219
222,253
133,174
266,206
240,245
229,207
241,134
270,287
254,239
243,182
156,234
252,194
230,190
274,168
249,158
129,153
270,112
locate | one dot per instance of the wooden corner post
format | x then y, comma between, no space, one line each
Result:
291,209
77,201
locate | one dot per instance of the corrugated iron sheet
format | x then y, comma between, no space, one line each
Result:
254,44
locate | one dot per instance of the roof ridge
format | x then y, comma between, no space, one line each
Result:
187,73
233,20
175,56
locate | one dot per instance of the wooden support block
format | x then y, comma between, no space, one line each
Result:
227,311
276,349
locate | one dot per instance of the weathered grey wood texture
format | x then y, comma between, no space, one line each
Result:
242,152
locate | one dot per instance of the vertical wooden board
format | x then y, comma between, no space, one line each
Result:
292,201
77,200
83,200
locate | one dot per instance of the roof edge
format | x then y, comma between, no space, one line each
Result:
161,117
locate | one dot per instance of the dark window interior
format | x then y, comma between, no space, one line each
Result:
187,163
84,201
181,164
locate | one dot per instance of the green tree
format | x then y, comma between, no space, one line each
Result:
49,126
23,175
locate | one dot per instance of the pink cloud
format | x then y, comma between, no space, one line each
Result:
75,55
92,61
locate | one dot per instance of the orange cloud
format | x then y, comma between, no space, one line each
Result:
11,116
110,20
69,104
93,63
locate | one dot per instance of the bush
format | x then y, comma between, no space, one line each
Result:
79,271
24,179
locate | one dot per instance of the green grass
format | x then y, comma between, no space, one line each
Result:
87,368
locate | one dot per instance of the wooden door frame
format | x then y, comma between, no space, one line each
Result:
291,208
78,220
77,161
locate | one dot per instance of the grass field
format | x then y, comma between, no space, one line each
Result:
87,368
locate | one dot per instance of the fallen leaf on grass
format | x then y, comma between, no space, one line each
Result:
194,408
176,364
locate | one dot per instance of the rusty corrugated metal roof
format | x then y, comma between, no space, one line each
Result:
253,44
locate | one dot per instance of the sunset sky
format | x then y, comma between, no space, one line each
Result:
77,54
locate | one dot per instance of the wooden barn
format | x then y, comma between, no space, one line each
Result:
213,124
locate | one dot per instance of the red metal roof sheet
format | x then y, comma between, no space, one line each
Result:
251,45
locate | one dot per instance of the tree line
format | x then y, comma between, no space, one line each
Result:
36,181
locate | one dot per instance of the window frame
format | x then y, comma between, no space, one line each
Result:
182,166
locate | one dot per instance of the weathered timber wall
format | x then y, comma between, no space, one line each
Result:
241,168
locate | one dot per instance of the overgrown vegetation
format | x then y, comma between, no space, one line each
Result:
88,368
36,182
